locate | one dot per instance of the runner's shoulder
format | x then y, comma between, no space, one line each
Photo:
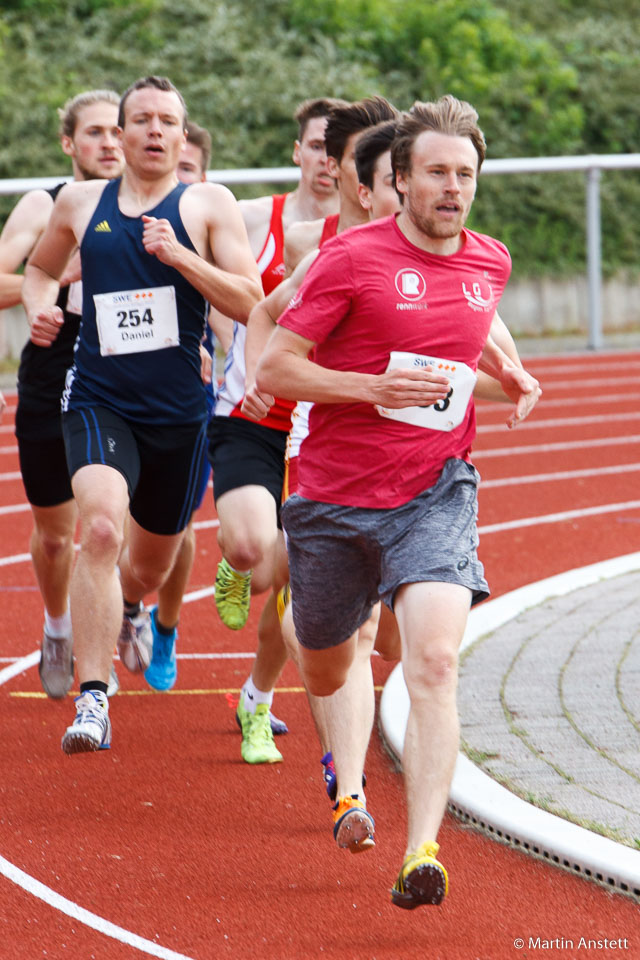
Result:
301,238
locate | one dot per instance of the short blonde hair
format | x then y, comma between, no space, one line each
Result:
69,112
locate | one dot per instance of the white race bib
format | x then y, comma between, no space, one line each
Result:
446,414
132,321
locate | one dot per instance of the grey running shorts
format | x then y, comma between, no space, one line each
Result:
342,560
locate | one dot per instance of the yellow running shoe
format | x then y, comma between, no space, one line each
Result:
233,595
422,879
258,745
353,826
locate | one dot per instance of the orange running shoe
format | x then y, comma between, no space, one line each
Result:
353,825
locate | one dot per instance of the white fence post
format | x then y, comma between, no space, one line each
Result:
594,259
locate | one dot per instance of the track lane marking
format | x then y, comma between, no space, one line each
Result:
560,445
71,909
563,422
559,517
561,475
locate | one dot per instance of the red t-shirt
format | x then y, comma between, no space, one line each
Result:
371,291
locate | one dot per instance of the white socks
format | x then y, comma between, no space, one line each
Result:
58,627
253,696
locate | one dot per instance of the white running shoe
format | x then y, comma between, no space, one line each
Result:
114,683
56,665
135,642
91,729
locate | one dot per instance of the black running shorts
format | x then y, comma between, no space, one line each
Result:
243,453
161,464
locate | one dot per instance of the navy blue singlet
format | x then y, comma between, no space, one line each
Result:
42,372
158,386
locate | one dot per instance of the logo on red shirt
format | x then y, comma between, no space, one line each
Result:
410,284
479,296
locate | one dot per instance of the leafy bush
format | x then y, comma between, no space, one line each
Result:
557,77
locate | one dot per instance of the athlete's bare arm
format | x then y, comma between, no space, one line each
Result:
223,269
222,327
501,335
263,319
21,232
285,371
519,386
63,233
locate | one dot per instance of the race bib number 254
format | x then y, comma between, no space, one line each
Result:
133,321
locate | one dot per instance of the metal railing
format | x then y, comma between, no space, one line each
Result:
591,165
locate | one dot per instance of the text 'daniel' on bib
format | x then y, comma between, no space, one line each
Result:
133,321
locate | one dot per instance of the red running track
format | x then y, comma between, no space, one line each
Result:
171,838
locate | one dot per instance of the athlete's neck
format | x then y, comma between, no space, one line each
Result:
137,195
305,205
351,214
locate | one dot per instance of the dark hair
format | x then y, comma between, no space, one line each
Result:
344,121
69,112
201,138
455,118
158,83
320,107
370,147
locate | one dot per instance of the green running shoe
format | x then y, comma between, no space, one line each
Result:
233,595
258,745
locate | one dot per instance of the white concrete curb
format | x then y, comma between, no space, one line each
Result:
483,802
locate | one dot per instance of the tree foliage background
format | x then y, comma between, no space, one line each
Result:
557,77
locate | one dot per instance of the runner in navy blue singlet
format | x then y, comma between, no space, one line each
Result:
153,254
89,136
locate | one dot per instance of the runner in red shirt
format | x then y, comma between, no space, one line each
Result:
399,313
248,457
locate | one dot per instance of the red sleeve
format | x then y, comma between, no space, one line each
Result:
325,295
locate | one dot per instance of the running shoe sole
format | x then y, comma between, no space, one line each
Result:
354,831
426,885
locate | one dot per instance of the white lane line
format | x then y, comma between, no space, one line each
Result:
563,422
180,656
55,900
23,557
561,475
23,507
206,524
16,558
58,902
624,364
559,446
19,665
8,449
14,475
14,508
485,406
489,528
597,383
559,517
